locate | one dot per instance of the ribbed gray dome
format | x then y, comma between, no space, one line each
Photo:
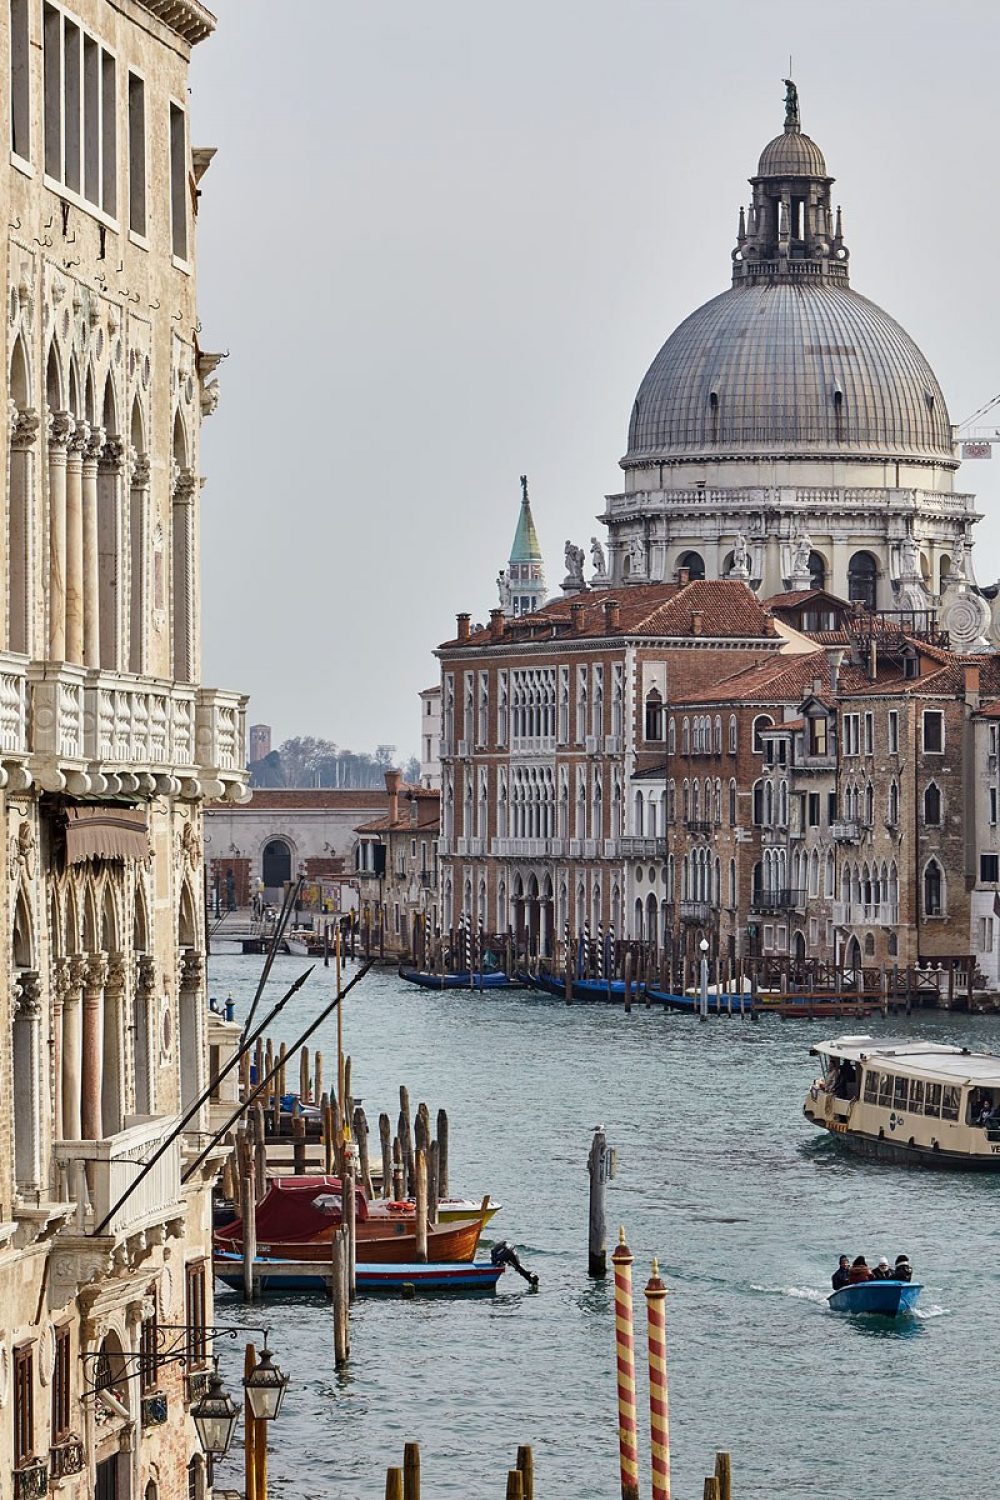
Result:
785,368
791,155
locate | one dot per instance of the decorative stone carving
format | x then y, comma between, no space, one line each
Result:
574,567
95,973
146,975
190,846
741,558
59,427
28,995
192,969
966,618
22,851
598,559
117,973
24,428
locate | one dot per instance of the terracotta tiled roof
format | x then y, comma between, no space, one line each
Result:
990,710
728,608
795,597
778,679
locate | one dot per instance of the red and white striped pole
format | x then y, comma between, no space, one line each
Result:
628,1448
659,1413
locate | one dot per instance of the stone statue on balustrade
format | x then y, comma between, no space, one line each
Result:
574,583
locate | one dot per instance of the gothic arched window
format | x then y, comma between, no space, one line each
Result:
862,573
933,889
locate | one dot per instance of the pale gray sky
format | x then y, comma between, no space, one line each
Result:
444,241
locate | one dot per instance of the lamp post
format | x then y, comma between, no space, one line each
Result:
703,1009
215,1415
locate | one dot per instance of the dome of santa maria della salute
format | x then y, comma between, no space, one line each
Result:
786,366
789,432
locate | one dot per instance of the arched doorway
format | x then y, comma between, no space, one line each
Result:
276,864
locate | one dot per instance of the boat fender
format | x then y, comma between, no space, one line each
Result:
404,1206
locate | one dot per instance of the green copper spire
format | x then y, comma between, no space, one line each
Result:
525,548
522,583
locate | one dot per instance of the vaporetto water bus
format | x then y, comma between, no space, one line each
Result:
922,1103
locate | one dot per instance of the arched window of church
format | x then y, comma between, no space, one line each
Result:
862,574
817,571
695,564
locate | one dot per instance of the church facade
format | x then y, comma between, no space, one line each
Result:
110,747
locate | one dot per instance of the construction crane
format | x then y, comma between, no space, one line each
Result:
977,437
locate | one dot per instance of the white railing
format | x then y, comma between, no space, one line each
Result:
845,831
874,914
97,1173
634,846
528,848
14,706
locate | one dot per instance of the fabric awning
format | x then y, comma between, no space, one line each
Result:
106,832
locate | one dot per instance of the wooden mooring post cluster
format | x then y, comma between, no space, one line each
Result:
404,1483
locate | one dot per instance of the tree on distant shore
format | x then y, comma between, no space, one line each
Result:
305,761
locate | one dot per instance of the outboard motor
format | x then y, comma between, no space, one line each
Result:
504,1254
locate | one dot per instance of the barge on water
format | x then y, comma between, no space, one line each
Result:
921,1103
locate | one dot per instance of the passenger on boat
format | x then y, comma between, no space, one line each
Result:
903,1270
883,1271
842,1274
859,1270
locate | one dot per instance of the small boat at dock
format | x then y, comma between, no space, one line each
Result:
275,1275
887,1299
298,1216
609,990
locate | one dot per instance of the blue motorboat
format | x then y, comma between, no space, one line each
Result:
690,1004
887,1299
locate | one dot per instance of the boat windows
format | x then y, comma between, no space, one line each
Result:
871,1086
950,1096
885,1090
917,1095
932,1099
901,1093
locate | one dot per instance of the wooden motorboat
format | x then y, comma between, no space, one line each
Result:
298,1216
273,1275
888,1299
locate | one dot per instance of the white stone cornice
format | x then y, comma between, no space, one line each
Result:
186,18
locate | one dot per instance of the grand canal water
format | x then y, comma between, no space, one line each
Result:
719,1175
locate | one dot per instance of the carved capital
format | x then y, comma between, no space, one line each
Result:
140,472
95,974
192,969
96,438
117,973
24,428
185,486
79,439
28,995
146,975
60,425
112,457
77,970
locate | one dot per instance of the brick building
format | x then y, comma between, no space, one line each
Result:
397,866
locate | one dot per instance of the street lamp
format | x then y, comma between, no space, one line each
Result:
703,945
266,1387
215,1415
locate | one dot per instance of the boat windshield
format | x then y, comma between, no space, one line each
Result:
983,1108
841,1076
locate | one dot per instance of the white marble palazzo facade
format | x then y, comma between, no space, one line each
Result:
109,748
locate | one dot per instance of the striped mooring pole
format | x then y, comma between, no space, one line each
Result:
628,1450
659,1412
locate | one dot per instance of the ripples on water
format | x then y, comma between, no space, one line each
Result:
719,1175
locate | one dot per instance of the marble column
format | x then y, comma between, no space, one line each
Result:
60,984
191,1028
91,556
74,542
72,1038
113,1087
144,1038
138,552
93,1046
27,1070
60,427
182,602
112,567
20,551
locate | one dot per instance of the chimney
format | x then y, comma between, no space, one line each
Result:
697,618
683,576
496,624
835,659
612,616
393,782
972,685
464,630
576,612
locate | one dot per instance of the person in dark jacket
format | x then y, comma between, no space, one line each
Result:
859,1271
903,1270
842,1274
883,1271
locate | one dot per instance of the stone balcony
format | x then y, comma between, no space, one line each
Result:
95,1174
70,728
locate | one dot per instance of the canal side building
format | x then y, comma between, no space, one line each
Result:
110,747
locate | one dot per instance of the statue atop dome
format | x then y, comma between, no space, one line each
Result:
792,121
